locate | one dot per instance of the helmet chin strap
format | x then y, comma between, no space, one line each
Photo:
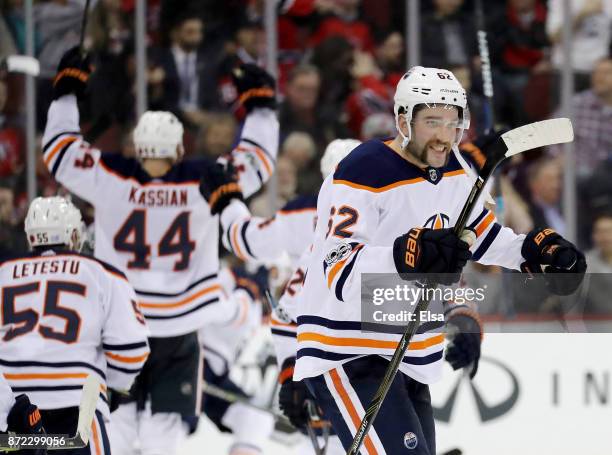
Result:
405,139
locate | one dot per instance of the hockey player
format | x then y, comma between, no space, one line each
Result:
152,223
72,315
390,207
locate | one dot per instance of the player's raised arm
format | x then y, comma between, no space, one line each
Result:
67,157
255,155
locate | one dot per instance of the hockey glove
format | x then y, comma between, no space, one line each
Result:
465,333
219,187
292,396
561,262
253,283
491,144
437,254
256,88
24,417
72,74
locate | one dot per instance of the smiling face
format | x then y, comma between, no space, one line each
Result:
434,129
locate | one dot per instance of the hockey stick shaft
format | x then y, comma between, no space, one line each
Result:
515,141
84,26
485,64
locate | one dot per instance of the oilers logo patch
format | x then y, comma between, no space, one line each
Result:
437,221
410,440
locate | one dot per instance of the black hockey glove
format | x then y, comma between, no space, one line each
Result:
437,254
491,144
561,262
256,88
465,333
72,74
253,283
292,396
24,417
219,187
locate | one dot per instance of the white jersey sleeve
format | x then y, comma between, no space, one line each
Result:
7,400
255,238
254,157
124,335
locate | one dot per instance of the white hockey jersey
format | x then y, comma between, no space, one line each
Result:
7,400
373,197
290,230
72,315
160,232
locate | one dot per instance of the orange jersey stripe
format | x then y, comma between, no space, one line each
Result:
26,376
126,359
58,147
185,301
391,186
348,404
484,224
276,323
95,438
334,271
368,343
236,246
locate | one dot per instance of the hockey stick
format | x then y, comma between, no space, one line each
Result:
87,411
518,140
232,397
485,65
84,26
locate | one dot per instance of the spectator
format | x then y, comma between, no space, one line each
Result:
189,85
592,121
12,238
345,22
544,182
301,111
592,20
519,48
389,55
107,28
7,43
448,36
301,150
11,140
599,259
218,135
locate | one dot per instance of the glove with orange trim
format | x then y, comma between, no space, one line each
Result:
24,418
436,254
563,265
73,73
256,87
219,187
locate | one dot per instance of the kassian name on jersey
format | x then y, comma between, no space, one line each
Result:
158,198
26,269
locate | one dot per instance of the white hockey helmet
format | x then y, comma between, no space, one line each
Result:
335,152
429,86
54,221
158,134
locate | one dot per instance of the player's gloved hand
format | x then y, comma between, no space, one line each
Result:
253,283
219,187
292,396
464,329
436,254
24,417
491,143
256,87
561,262
72,74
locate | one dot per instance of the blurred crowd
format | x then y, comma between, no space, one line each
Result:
339,62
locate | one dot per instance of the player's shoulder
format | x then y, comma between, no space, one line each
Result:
300,203
184,171
97,263
373,165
